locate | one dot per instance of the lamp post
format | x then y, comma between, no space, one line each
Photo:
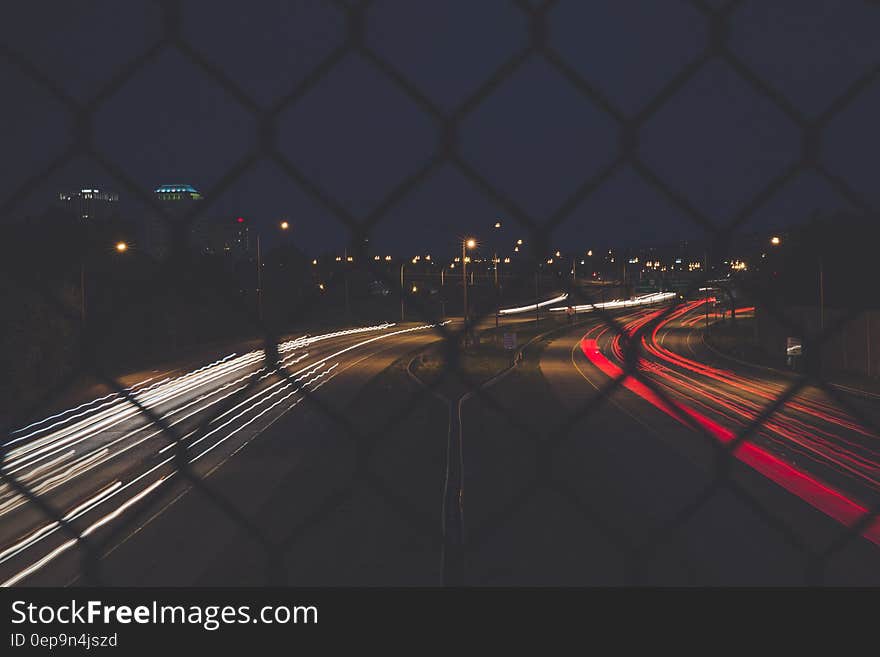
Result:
82,293
401,293
495,263
442,292
821,295
120,247
345,260
284,226
259,278
466,244
776,241
537,295
706,269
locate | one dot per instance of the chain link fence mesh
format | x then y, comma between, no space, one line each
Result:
177,267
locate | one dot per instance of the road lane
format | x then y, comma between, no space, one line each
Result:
582,362
99,460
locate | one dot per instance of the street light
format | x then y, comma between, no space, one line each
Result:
776,240
283,225
402,308
468,243
495,262
121,247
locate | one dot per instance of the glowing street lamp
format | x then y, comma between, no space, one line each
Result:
468,243
776,240
121,247
284,225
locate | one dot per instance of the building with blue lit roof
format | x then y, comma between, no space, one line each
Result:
179,192
177,199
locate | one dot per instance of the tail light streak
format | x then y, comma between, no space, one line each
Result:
701,389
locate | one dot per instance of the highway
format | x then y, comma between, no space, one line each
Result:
811,465
276,496
109,471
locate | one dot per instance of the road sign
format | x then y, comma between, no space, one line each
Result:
510,341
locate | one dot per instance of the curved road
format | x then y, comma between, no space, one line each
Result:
808,471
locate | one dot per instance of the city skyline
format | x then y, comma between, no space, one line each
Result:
171,122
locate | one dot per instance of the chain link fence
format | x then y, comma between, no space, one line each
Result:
447,122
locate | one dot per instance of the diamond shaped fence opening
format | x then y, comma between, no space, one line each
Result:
308,130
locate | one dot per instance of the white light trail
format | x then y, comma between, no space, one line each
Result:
534,306
643,300
162,392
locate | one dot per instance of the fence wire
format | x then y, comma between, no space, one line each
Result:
447,123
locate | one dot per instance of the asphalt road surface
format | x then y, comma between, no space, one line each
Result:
160,507
255,479
807,472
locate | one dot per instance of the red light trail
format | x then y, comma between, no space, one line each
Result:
715,399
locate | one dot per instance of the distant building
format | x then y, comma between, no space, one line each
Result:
227,236
175,193
90,204
177,200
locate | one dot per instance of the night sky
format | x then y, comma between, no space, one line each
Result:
536,137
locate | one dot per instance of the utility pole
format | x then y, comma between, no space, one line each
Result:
259,279
401,293
464,285
82,292
442,292
497,290
345,276
537,295
821,295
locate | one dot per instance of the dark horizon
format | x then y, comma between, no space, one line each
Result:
535,137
